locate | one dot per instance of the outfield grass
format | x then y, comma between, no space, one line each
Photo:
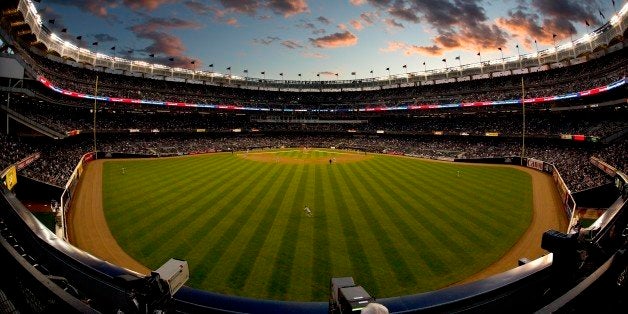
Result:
397,225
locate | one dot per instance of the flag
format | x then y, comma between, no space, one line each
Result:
65,30
352,73
281,74
51,21
405,66
130,51
263,73
423,62
517,46
113,48
228,68
602,15
336,74
299,74
587,23
554,36
613,3
193,62
171,59
246,71
500,48
444,60
478,53
318,74
387,69
95,43
79,37
152,55
458,58
371,71
211,65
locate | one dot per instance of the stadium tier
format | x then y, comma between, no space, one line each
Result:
64,106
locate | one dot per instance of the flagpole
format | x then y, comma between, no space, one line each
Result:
95,95
523,129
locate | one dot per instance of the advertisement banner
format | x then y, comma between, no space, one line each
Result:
535,164
27,161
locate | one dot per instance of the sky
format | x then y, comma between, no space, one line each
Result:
322,38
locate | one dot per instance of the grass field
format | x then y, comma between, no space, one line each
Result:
397,225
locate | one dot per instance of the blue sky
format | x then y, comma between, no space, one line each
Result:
321,37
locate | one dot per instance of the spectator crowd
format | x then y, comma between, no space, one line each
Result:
58,158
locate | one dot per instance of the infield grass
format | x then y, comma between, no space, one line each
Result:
396,225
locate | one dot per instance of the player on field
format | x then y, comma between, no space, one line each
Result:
307,210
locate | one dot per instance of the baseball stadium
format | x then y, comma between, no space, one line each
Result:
131,186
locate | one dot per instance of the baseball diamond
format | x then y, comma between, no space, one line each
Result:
399,225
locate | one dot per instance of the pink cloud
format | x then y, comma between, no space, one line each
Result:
356,24
288,8
149,5
335,40
232,21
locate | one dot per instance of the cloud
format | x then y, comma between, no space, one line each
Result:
327,73
323,20
548,18
335,40
219,15
103,38
305,24
101,8
368,17
391,23
405,14
148,5
163,44
291,44
357,2
95,7
200,8
457,23
232,21
356,24
249,7
156,23
570,10
409,50
266,40
288,8
313,55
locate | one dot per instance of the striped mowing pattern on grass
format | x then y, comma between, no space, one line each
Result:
397,225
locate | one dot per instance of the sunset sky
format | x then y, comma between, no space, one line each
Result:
324,36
